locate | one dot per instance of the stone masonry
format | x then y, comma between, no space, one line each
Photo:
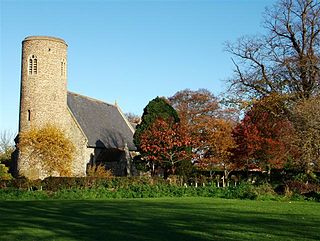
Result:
44,100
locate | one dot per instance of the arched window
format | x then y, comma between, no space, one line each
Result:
33,65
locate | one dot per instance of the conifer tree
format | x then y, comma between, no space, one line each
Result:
156,108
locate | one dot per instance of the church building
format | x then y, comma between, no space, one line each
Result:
99,131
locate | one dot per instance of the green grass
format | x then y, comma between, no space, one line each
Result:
159,219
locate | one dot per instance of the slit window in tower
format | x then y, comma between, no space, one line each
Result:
29,115
63,68
35,66
30,66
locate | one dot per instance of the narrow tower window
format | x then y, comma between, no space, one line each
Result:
33,65
30,66
63,68
29,115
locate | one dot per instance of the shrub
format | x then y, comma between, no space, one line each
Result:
4,174
50,146
299,187
134,187
98,171
242,191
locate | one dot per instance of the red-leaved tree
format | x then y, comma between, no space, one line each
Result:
164,144
263,138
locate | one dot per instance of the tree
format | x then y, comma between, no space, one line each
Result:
156,108
284,60
192,105
263,137
203,117
6,150
6,145
195,109
133,118
306,115
165,144
49,147
218,147
4,172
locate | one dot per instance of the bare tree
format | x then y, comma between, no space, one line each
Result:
133,118
6,145
286,60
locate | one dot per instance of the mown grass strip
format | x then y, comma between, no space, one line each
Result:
159,219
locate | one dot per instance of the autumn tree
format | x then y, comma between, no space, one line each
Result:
156,108
195,109
218,146
209,126
164,144
264,137
306,115
48,147
284,60
192,105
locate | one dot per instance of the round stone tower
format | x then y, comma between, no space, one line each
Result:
43,82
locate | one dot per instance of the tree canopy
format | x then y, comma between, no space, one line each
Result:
165,143
285,60
306,121
155,109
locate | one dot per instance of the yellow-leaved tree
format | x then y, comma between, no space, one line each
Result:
49,147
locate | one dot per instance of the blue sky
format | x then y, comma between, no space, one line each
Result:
127,51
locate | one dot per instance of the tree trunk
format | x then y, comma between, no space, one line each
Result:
225,177
128,160
153,170
269,173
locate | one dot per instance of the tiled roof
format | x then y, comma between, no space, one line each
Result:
103,123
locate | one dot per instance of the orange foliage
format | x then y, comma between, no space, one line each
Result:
49,147
165,143
208,124
217,144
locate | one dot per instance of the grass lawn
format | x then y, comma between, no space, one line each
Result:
159,219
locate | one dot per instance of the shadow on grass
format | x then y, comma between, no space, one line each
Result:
159,220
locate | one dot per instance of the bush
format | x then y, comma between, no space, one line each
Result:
98,171
4,172
242,191
48,146
300,187
133,187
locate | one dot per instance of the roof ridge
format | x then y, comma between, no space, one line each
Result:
92,99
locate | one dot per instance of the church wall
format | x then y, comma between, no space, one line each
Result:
82,153
30,167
